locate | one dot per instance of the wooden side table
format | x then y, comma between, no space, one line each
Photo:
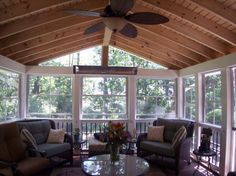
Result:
200,154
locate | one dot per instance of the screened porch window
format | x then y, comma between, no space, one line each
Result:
212,98
49,97
9,95
104,98
189,98
155,98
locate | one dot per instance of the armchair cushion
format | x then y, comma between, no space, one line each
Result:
155,133
54,149
163,148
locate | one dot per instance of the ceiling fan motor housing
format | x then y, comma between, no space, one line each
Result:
114,23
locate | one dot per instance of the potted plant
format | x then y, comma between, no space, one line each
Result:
76,135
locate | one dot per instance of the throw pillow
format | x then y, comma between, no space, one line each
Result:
56,136
179,135
27,137
155,133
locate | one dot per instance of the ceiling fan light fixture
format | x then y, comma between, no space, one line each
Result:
114,23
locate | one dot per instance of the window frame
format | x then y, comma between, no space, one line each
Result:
204,96
100,95
184,98
51,114
157,115
15,76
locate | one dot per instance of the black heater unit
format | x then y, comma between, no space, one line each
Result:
82,69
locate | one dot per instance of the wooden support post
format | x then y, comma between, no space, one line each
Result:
105,55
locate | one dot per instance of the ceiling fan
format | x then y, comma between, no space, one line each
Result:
117,17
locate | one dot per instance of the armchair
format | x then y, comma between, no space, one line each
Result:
180,153
40,128
14,157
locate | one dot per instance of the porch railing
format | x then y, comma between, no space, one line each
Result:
89,127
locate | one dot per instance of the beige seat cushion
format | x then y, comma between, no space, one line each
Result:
56,136
96,145
155,133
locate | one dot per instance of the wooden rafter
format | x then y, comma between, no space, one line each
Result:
215,7
29,8
150,47
53,44
195,57
195,19
168,57
47,38
64,52
170,35
150,56
189,32
45,18
46,53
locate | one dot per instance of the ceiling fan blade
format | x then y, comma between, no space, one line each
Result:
129,30
83,12
147,18
94,28
121,7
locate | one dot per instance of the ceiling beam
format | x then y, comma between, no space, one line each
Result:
195,19
47,38
149,49
152,37
188,32
148,46
149,56
43,30
29,8
177,39
53,44
65,52
47,17
218,9
59,48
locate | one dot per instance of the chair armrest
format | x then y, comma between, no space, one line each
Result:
141,137
12,165
8,163
183,150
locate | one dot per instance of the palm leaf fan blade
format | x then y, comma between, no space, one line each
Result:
146,18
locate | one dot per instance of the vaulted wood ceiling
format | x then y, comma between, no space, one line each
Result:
32,31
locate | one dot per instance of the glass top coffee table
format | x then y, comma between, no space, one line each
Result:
127,165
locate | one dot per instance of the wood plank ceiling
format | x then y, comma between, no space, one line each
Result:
33,31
